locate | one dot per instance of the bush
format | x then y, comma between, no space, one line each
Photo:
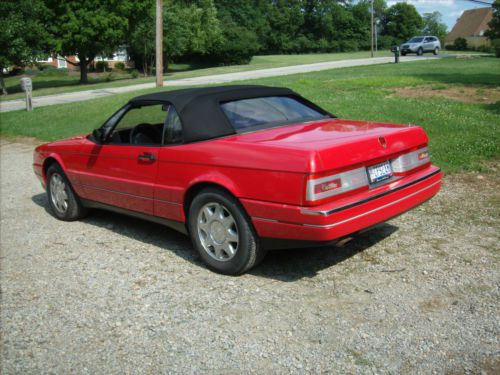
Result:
119,66
109,77
238,47
134,73
460,44
45,67
496,46
101,66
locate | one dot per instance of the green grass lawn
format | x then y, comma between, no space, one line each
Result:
464,132
54,82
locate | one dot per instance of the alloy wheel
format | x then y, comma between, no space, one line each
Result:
58,193
217,231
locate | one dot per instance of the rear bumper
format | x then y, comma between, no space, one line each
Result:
345,216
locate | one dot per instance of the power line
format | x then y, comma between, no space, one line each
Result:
480,2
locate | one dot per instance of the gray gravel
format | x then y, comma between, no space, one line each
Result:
114,295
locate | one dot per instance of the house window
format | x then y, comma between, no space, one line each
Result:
61,63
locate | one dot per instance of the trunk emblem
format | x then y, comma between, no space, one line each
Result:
382,142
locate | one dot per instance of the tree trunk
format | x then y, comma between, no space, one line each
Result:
83,70
2,83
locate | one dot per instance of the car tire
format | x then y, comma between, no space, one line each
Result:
420,51
436,51
63,201
403,53
222,233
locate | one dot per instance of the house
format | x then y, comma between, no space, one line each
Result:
120,55
471,26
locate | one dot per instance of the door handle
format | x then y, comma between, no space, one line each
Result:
146,156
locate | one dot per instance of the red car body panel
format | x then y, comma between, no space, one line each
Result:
266,170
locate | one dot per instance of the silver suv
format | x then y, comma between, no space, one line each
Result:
421,44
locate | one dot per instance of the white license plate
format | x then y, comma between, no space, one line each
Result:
379,172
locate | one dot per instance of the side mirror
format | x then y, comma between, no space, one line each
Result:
98,135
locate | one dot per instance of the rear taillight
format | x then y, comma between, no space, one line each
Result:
329,186
410,161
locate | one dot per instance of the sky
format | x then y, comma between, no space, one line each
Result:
450,9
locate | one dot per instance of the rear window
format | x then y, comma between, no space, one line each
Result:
275,110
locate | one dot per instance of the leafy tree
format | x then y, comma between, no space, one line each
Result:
87,28
190,28
494,31
401,22
23,37
285,20
494,25
434,26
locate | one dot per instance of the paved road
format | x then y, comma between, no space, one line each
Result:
12,105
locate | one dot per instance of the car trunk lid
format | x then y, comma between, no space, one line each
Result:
342,144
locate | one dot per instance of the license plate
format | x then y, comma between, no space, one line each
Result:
379,172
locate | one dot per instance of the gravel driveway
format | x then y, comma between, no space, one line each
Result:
115,295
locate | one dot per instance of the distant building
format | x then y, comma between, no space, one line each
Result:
471,26
120,55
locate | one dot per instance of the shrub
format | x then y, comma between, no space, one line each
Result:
460,44
101,66
134,73
119,66
109,77
496,46
238,47
45,67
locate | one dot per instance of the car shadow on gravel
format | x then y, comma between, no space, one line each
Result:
294,264
140,230
283,265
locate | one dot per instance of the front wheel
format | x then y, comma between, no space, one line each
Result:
403,53
222,233
436,51
420,51
63,201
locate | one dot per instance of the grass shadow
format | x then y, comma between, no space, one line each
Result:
283,265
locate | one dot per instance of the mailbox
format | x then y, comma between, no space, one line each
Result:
395,50
26,84
27,87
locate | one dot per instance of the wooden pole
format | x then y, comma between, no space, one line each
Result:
371,28
159,43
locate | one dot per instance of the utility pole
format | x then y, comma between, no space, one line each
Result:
159,43
371,28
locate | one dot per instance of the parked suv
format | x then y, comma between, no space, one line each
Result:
421,44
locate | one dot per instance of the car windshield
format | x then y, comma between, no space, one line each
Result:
416,40
248,113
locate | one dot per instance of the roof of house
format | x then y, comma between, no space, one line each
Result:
200,111
472,22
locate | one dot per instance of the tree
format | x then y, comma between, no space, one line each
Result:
23,37
494,24
494,28
401,22
434,26
191,29
87,28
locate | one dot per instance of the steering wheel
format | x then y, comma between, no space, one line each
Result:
144,134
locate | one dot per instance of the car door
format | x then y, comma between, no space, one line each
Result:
172,172
428,44
122,170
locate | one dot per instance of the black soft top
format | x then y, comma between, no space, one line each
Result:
200,111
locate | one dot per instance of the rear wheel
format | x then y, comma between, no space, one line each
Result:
222,233
420,51
63,201
436,51
403,53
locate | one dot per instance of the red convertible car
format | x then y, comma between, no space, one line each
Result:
241,169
